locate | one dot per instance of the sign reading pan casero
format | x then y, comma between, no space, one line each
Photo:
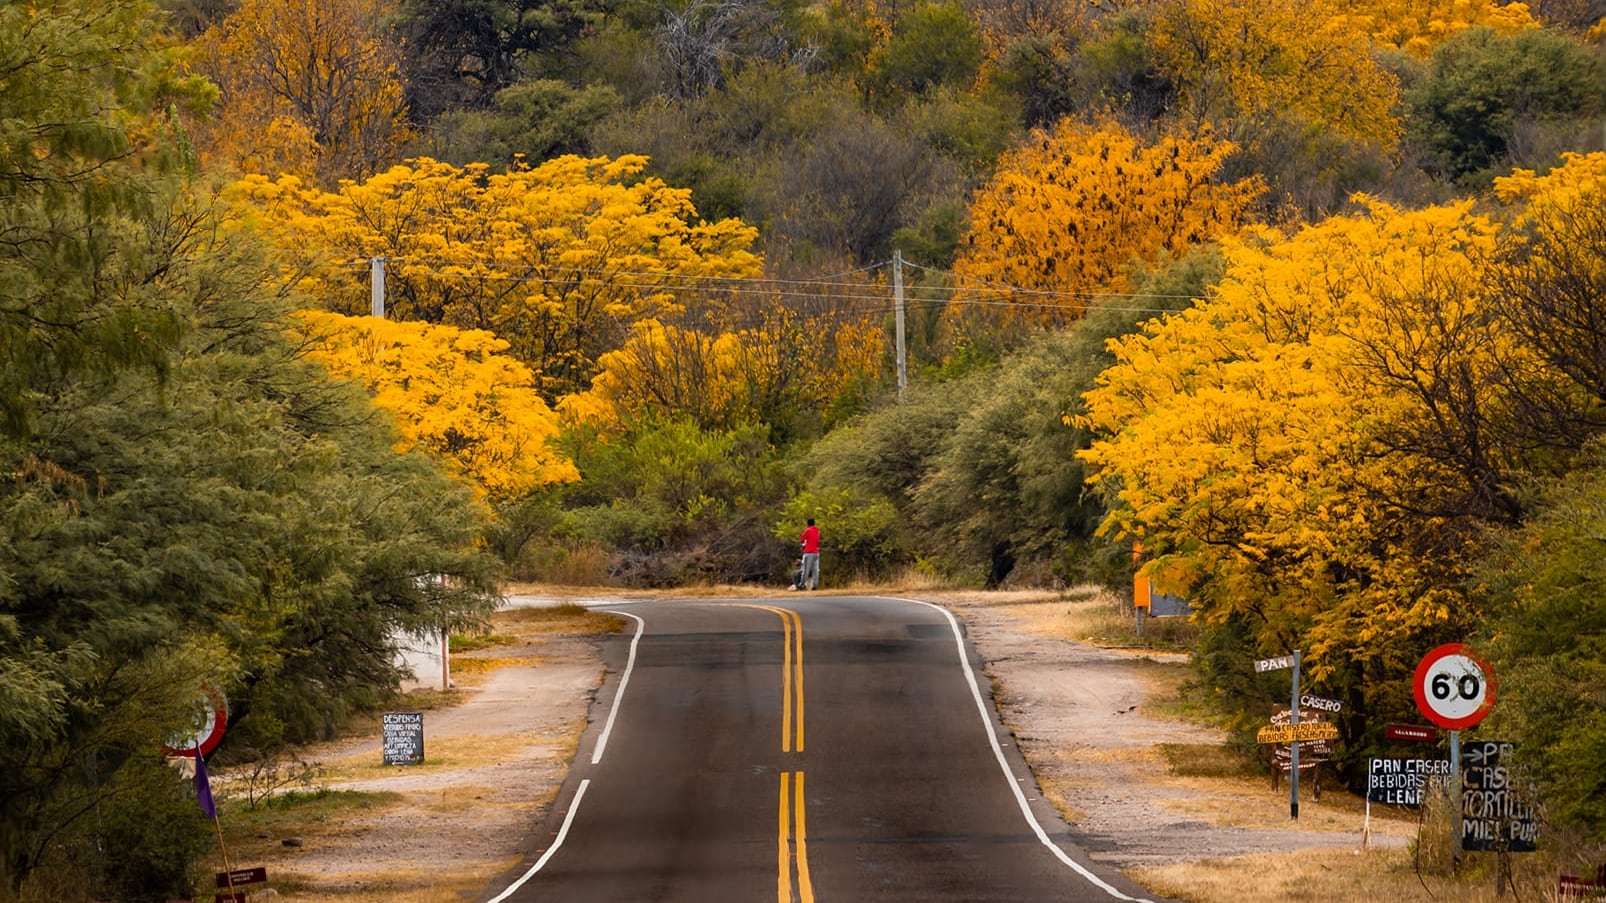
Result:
404,738
1402,782
1297,733
1495,813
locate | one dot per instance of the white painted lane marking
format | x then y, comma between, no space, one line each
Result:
624,681
1014,784
563,832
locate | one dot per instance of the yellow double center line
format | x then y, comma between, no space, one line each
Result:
794,846
792,851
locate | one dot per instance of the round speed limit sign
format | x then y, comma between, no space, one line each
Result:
1454,689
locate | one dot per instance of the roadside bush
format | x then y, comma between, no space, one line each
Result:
138,845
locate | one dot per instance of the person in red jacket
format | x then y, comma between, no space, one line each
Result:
809,578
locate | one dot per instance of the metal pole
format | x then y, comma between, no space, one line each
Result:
897,294
376,285
1293,748
1456,794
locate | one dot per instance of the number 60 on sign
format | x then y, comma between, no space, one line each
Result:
1453,688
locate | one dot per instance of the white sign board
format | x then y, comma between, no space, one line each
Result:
1280,663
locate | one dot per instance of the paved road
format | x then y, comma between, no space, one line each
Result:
809,748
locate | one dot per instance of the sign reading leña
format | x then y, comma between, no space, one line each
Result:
1402,782
1495,813
1297,733
404,738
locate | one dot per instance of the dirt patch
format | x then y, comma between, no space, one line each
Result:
1083,716
1084,720
492,765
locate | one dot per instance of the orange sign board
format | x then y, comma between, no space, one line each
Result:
1297,733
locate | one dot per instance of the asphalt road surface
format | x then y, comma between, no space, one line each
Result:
808,748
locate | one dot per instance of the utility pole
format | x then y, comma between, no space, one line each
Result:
897,294
376,285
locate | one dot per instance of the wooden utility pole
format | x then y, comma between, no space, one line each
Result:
376,285
897,295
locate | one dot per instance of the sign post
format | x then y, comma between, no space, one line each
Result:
1454,690
1278,663
1293,748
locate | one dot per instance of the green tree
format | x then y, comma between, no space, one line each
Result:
528,122
186,499
1007,488
673,502
1486,92
1549,645
931,44
464,53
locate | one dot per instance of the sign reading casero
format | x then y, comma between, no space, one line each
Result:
1320,704
1297,733
404,738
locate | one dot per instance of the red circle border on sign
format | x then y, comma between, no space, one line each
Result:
209,742
1419,687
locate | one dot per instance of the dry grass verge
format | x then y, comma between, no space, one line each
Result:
1348,876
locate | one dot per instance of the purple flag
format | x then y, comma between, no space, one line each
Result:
203,788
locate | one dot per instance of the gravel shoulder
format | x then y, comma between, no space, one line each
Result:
1081,715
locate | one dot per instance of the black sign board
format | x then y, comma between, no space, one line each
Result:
404,738
242,877
1495,813
1402,782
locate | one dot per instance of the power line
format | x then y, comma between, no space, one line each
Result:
952,287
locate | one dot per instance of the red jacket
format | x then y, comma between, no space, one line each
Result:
811,540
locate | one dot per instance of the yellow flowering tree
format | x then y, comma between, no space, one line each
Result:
308,87
1418,26
1246,63
558,260
454,394
1266,444
1071,210
789,367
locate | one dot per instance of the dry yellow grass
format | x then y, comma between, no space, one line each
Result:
568,619
420,884
1346,876
465,751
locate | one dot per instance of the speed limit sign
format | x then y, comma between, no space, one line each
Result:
1454,689
205,732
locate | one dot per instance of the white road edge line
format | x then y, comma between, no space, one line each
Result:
563,832
619,694
1009,777
596,757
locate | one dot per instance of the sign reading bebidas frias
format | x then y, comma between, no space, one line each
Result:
404,738
1495,813
1402,782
